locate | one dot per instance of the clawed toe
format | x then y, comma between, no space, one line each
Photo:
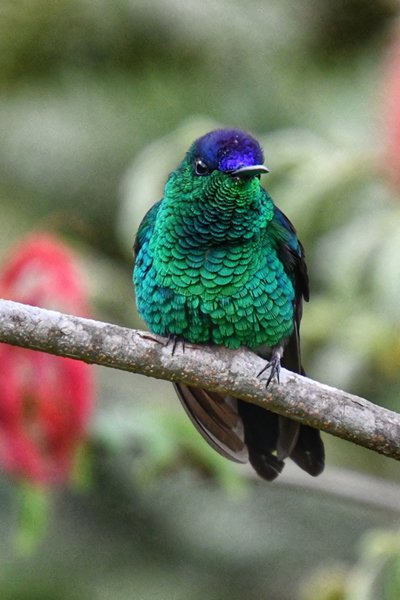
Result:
274,364
174,340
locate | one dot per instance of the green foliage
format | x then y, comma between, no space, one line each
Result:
32,521
162,445
375,575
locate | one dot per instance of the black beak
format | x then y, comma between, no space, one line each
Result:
249,171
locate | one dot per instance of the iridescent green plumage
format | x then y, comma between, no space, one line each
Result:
217,262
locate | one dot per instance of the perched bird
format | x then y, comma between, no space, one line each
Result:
216,262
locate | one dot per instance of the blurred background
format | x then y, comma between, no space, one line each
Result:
98,102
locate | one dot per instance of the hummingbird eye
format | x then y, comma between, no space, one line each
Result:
200,167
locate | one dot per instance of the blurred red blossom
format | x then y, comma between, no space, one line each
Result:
392,108
45,400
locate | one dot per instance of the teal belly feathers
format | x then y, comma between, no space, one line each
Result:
235,296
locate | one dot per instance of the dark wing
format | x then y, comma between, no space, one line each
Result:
291,253
302,443
216,418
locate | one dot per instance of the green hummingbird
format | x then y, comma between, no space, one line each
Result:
217,262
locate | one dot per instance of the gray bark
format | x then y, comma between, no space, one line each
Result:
214,368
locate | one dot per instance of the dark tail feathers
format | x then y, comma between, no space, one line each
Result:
262,430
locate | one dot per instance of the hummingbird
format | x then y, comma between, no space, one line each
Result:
217,262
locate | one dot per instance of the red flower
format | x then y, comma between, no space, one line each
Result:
392,109
45,400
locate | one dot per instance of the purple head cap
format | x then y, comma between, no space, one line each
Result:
228,150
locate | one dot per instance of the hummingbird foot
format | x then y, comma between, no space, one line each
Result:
174,340
274,364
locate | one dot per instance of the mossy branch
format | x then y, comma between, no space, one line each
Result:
215,368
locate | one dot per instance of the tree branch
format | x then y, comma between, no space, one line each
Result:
214,368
